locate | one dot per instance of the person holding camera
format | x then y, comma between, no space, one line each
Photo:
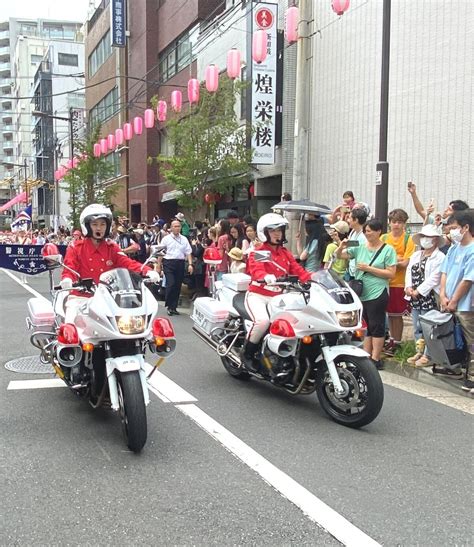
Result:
375,265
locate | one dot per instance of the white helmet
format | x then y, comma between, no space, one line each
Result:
270,221
94,212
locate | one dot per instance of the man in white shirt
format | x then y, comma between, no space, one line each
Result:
178,252
356,221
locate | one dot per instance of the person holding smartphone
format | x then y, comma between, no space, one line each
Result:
375,264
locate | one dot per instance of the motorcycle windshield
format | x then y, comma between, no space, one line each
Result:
334,286
124,286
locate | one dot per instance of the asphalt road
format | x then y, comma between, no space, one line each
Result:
67,477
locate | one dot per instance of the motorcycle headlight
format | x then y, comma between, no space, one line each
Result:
347,318
131,324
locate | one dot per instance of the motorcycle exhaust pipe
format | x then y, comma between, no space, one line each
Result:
213,344
68,356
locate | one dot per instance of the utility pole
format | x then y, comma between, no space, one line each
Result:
25,167
302,102
381,188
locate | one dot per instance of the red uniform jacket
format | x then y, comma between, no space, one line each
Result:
90,261
258,270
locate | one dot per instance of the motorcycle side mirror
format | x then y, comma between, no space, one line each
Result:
157,250
262,256
53,261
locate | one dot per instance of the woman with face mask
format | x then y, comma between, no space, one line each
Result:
422,281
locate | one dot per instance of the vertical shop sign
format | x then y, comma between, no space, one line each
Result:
118,23
264,80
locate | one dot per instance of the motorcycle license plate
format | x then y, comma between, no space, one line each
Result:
199,318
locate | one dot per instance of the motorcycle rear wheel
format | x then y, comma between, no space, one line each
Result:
132,410
236,372
363,396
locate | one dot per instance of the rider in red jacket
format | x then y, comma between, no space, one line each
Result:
94,254
271,232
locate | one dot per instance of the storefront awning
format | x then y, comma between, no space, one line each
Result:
168,196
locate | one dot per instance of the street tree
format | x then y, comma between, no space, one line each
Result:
85,183
208,145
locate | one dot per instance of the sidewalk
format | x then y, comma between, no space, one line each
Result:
424,375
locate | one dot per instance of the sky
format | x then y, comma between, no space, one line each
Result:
70,10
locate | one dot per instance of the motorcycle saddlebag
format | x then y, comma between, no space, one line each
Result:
41,314
208,314
236,281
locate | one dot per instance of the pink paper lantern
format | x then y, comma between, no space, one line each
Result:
75,162
259,46
340,6
149,118
291,24
233,63
104,146
138,125
176,100
69,164
127,131
119,136
97,150
57,175
111,141
212,78
62,171
161,111
193,90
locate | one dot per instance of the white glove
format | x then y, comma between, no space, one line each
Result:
66,283
154,276
270,279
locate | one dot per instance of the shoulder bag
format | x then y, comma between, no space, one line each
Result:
357,285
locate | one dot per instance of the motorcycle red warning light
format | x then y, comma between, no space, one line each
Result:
281,327
162,328
212,256
68,334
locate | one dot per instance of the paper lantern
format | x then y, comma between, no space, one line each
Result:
69,164
57,175
233,63
252,190
75,162
149,118
119,136
209,198
127,131
291,24
138,125
176,100
62,171
212,78
161,111
259,46
193,90
97,150
104,146
111,141
340,6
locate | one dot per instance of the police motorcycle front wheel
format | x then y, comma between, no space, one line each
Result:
132,409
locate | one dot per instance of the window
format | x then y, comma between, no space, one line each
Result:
114,160
101,53
105,108
35,59
69,59
175,57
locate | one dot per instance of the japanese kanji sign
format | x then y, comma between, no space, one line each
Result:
264,77
25,259
118,18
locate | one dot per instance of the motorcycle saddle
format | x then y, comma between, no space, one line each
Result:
239,305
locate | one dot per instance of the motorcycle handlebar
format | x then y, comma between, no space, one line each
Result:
283,279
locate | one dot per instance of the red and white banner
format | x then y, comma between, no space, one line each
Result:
20,198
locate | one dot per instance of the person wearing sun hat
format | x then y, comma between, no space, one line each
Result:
338,232
237,264
422,283
185,228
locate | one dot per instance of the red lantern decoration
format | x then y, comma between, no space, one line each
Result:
176,100
127,131
209,198
149,118
161,111
138,125
291,24
111,141
97,150
233,63
340,6
193,91
212,78
104,146
259,46
119,136
252,190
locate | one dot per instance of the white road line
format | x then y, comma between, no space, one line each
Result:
20,282
36,384
320,513
162,386
459,402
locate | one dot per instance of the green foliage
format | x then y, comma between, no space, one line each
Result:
404,351
85,183
210,153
